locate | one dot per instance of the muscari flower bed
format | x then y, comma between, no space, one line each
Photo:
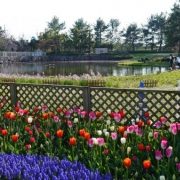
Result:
74,144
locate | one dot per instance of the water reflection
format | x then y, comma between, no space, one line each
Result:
79,68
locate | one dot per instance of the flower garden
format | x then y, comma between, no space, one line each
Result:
73,144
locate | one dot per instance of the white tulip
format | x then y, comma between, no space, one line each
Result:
106,134
109,111
161,178
30,119
123,140
99,132
128,150
112,128
108,122
76,120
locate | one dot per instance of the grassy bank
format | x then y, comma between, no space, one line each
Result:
166,80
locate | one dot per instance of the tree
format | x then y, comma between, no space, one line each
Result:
112,31
154,31
173,28
81,36
132,36
100,30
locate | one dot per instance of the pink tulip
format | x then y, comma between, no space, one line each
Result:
163,120
140,132
164,144
178,126
130,129
69,123
44,108
92,115
67,113
136,128
56,118
21,112
83,114
100,141
174,130
178,166
117,117
158,124
169,151
158,154
114,135
155,135
90,142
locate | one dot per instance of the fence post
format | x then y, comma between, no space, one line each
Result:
87,99
13,94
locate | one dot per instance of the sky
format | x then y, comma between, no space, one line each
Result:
27,18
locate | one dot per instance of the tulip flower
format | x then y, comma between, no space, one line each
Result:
146,164
30,119
114,135
163,120
99,132
169,151
92,115
32,139
117,117
164,144
127,162
158,154
4,132
123,140
47,134
162,178
155,135
59,133
141,147
158,124
86,136
72,141
148,148
81,132
56,119
178,166
100,141
15,138
121,129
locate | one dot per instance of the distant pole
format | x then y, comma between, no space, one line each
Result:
89,43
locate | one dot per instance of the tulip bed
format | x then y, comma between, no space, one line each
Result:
74,144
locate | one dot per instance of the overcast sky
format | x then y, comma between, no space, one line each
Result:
29,17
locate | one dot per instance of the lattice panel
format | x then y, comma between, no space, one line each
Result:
136,102
5,93
52,96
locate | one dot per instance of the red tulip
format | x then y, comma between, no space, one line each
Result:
81,132
86,136
146,164
141,147
127,162
98,114
4,132
146,114
45,115
27,129
59,110
121,129
47,134
14,138
72,141
26,111
51,114
59,133
32,139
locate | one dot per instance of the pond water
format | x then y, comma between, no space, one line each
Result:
79,68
